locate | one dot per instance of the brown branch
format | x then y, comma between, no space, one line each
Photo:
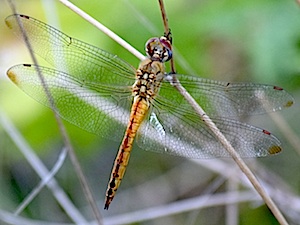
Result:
167,32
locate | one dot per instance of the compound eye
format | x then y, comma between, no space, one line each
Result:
159,49
165,42
168,53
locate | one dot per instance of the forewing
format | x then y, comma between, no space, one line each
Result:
95,107
72,56
222,99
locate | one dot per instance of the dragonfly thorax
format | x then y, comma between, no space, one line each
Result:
148,79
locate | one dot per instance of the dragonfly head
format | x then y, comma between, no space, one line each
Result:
159,49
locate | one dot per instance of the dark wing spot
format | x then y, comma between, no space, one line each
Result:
289,104
278,88
24,16
274,149
266,132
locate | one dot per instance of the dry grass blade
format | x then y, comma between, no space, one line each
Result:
218,134
167,30
287,131
225,143
62,129
41,170
10,218
182,206
104,29
43,182
242,165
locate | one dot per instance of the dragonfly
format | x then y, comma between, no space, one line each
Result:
103,94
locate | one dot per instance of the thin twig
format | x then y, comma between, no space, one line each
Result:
286,131
42,171
11,219
61,127
104,29
167,29
287,200
164,16
175,82
232,210
182,206
242,165
43,182
201,113
149,25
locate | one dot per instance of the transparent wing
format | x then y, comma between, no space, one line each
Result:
88,85
186,135
72,56
95,107
178,130
223,99
92,84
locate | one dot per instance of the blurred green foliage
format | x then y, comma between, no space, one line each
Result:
232,40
